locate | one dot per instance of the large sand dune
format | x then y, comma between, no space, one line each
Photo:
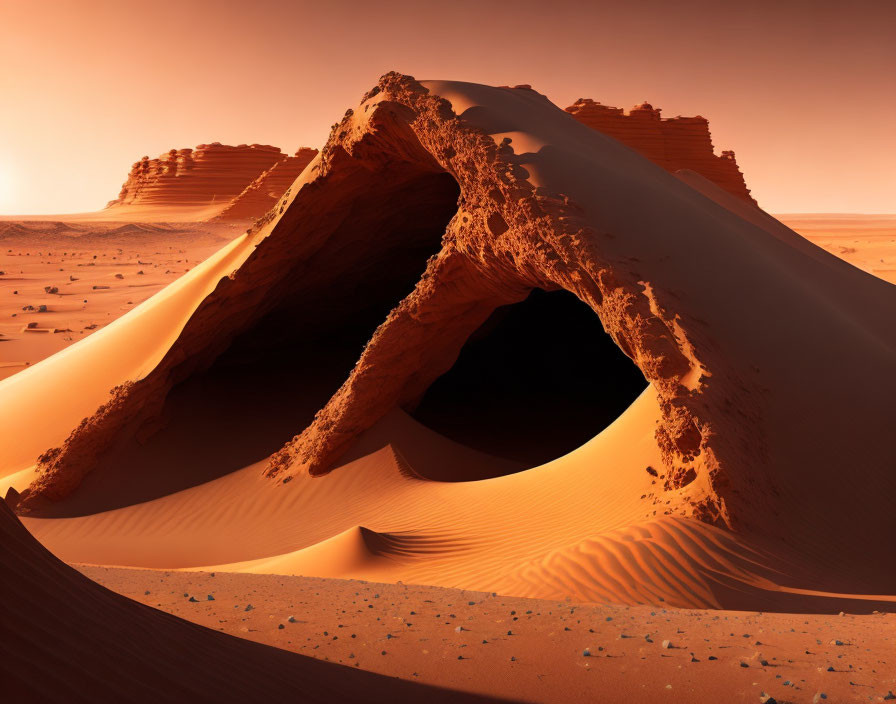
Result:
755,471
65,638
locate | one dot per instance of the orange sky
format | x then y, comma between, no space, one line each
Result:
803,91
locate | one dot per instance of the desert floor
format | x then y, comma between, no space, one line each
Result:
525,649
865,241
531,649
99,270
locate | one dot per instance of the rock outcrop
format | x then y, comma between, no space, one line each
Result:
757,344
248,177
674,143
261,195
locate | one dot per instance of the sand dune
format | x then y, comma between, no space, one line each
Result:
770,367
65,638
577,530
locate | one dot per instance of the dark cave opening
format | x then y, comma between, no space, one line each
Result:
272,379
266,385
537,380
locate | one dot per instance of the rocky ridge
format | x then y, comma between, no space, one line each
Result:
673,143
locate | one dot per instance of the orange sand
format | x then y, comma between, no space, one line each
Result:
411,632
865,241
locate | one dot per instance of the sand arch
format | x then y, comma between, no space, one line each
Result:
758,347
371,168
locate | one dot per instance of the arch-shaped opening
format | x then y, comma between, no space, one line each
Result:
538,379
266,383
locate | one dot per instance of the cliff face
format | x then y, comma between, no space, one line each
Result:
673,143
213,174
260,195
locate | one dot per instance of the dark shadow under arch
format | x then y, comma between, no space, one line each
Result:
538,379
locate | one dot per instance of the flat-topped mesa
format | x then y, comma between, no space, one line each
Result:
261,195
211,174
673,143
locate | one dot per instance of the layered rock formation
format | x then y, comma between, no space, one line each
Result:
260,195
248,177
674,143
757,345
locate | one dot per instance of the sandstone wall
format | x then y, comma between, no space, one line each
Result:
673,143
250,177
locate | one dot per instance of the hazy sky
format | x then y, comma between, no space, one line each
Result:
804,92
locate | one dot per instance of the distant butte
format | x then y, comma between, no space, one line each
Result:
674,143
243,181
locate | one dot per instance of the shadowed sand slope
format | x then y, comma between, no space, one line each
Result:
574,527
758,462
65,638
